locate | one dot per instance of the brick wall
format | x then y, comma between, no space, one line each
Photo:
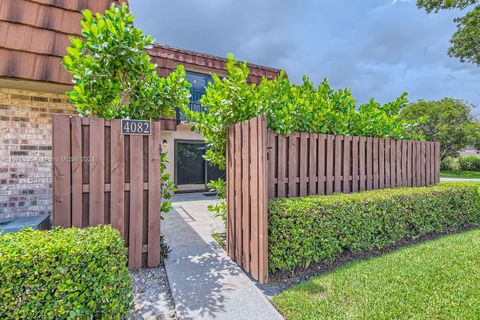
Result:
26,150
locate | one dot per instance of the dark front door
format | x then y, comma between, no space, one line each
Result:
192,173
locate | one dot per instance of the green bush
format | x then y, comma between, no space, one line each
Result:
311,229
64,273
469,163
449,163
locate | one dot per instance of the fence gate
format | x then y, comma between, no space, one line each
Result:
101,176
262,164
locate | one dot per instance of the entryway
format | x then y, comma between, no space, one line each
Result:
192,172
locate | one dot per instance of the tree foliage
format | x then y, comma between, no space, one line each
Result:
112,74
466,40
289,107
448,121
114,78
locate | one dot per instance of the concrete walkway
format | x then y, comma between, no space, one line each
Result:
205,283
459,179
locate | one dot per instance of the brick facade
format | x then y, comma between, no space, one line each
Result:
26,150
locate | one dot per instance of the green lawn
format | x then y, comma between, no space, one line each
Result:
460,174
437,279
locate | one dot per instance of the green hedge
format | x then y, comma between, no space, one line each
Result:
469,163
311,229
64,273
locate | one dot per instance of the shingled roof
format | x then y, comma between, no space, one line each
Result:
35,34
167,58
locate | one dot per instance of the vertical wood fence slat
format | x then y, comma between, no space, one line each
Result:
245,153
417,163
136,202
91,182
263,198
355,157
387,163
61,172
338,164
118,177
77,184
230,165
409,164
362,166
393,161
238,193
427,163
303,163
282,163
381,163
404,163
321,164
292,164
329,168
422,165
398,157
97,173
254,200
154,198
369,163
271,161
346,164
375,163
312,164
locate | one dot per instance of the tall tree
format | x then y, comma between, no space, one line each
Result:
448,121
466,40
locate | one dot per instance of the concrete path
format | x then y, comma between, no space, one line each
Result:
205,283
459,179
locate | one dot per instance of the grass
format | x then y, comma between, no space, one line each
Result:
437,279
460,174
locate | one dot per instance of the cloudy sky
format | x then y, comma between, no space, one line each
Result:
378,48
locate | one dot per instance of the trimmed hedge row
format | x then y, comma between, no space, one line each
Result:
64,273
315,228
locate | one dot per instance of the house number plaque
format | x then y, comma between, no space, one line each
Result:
140,127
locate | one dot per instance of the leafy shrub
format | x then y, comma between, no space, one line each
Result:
289,107
449,163
311,229
64,273
469,163
113,76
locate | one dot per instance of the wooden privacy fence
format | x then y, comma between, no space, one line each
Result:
101,176
262,164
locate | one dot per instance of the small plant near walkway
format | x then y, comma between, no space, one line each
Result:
64,273
308,230
438,279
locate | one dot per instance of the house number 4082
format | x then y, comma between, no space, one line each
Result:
136,126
